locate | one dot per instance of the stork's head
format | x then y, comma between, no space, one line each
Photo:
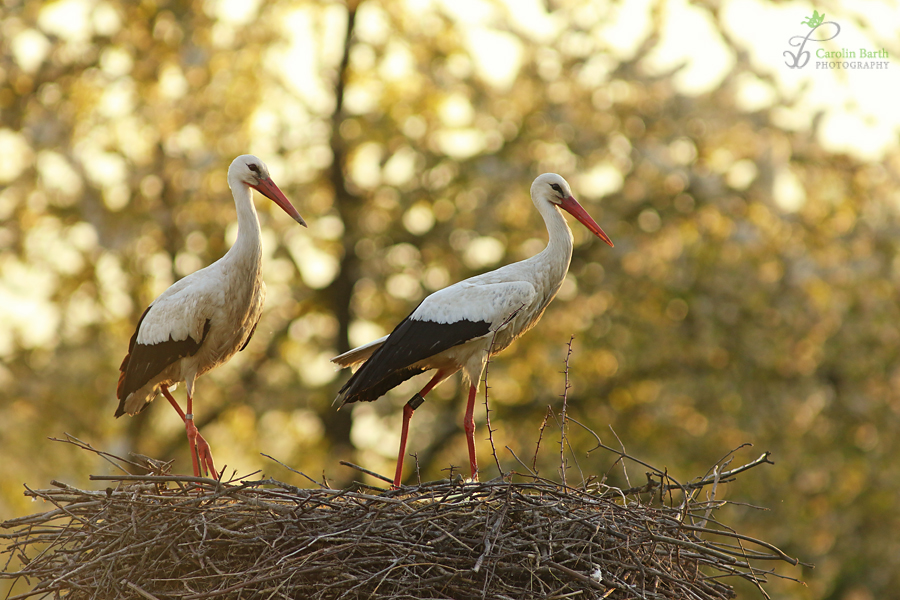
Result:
552,188
248,169
252,172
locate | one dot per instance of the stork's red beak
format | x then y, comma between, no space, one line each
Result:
571,206
267,188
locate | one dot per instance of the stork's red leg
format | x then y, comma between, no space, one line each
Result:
410,407
198,446
469,426
408,410
168,395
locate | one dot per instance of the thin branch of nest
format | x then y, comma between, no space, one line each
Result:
162,536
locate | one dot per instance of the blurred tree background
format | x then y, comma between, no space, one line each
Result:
751,295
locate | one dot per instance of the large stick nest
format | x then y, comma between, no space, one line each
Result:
160,536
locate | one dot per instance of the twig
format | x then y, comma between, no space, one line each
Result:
562,416
711,496
415,456
537,446
157,479
623,454
367,472
292,470
518,460
110,458
763,459
140,591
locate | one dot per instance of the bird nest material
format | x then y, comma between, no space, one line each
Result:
156,536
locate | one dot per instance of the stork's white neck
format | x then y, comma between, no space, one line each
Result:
247,248
555,258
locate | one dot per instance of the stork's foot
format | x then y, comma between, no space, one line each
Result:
201,455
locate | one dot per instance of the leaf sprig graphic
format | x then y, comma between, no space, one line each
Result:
815,20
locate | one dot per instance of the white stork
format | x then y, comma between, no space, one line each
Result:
205,318
453,328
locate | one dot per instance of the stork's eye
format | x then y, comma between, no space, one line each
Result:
253,168
556,187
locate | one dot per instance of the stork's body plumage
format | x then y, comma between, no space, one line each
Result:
453,329
202,320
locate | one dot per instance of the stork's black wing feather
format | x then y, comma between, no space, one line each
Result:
145,361
411,341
